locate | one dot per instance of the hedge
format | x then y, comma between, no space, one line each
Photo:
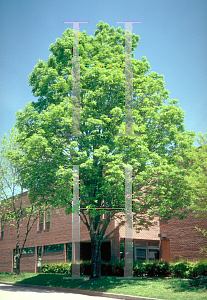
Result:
182,269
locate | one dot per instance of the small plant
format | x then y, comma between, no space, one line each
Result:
203,250
177,258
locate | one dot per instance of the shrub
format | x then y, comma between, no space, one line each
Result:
200,268
155,268
181,269
139,268
56,268
85,268
150,269
106,269
117,268
199,281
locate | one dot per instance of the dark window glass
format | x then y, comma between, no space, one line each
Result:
48,216
14,258
39,258
106,251
121,250
41,222
85,251
153,254
54,248
141,254
30,250
47,224
69,251
2,226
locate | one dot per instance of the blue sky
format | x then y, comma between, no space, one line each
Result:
173,38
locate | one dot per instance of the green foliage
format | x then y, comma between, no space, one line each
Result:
63,268
111,268
85,268
180,269
160,147
152,269
200,281
198,178
201,267
117,268
139,268
183,269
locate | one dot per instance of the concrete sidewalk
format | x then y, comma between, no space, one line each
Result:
75,291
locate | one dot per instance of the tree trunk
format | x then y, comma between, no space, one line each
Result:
96,258
18,265
18,256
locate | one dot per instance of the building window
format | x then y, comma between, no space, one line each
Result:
2,226
146,252
41,219
54,248
141,254
14,260
47,221
30,250
153,254
121,250
69,251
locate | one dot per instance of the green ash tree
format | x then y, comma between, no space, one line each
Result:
158,150
14,210
198,179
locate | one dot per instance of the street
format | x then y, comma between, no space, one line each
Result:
28,293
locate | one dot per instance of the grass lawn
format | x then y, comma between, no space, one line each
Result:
160,288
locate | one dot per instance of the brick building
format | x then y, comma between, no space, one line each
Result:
50,240
181,239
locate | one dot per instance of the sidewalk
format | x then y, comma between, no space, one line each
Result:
80,292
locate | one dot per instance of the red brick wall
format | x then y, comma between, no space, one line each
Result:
50,257
27,263
115,246
60,232
184,239
165,249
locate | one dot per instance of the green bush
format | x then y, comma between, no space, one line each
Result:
56,268
85,268
181,269
163,268
139,268
199,268
117,268
152,269
192,270
106,269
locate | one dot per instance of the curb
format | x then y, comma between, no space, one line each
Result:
82,292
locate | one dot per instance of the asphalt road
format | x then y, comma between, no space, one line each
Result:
10,292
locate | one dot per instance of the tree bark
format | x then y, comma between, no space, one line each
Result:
17,265
96,258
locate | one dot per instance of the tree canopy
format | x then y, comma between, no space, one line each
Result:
198,177
14,209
